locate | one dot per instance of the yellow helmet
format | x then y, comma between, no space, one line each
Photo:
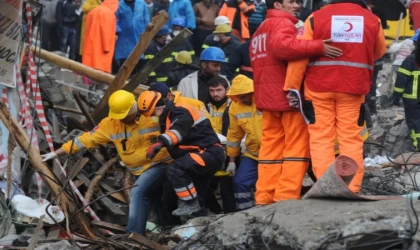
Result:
120,103
147,102
183,57
223,28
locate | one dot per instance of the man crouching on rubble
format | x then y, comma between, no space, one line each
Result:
192,143
131,136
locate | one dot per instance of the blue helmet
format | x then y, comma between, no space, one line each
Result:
213,54
165,30
179,21
416,36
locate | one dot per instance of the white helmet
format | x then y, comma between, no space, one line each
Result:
221,20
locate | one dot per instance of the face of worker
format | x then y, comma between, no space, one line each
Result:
148,1
221,38
129,119
246,99
211,69
158,111
217,93
290,6
161,40
176,29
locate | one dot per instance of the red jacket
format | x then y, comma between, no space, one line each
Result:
272,46
414,9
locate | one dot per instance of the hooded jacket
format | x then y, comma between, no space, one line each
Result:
130,25
87,6
99,40
184,9
245,120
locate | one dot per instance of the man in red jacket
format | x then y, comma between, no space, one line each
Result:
284,153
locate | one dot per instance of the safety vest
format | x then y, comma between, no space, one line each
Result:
216,115
354,30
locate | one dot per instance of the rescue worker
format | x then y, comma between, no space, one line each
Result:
406,87
193,145
209,41
195,84
184,67
334,102
239,62
131,136
218,105
178,24
223,36
238,11
284,154
162,71
245,122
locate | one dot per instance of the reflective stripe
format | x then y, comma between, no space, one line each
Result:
168,138
135,169
199,120
216,114
148,130
364,131
245,205
270,161
243,195
259,112
161,79
233,144
148,56
404,71
246,68
205,46
243,115
194,195
413,94
119,136
237,70
78,143
177,134
174,53
398,90
296,159
184,188
168,59
192,52
153,74
341,63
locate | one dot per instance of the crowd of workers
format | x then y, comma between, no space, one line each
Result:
234,107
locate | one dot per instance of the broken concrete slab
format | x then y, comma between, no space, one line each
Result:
307,224
61,245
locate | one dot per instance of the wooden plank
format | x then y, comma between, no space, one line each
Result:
98,177
146,37
109,226
119,196
109,204
36,234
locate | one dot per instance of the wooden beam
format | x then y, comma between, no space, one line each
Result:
98,177
157,59
85,112
109,226
37,233
79,68
127,182
67,205
146,37
119,196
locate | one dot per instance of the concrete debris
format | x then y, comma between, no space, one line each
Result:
61,245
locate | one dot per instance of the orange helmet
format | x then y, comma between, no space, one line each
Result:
147,102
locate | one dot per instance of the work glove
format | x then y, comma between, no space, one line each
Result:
153,150
231,167
49,156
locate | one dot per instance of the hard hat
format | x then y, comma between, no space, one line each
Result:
120,103
183,57
165,30
223,28
221,20
147,102
213,54
416,36
179,21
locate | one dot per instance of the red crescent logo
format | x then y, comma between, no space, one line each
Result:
350,27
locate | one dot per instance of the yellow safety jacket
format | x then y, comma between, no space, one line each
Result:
199,105
244,121
216,116
138,137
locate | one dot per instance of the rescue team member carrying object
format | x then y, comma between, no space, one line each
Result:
335,88
193,144
245,120
284,153
131,136
407,87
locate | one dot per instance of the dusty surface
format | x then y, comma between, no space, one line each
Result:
306,224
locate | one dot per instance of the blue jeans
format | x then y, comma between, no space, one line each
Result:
68,38
149,183
243,183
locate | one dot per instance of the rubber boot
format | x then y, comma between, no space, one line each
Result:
186,208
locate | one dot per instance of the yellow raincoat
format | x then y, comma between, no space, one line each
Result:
244,120
87,6
140,136
216,116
